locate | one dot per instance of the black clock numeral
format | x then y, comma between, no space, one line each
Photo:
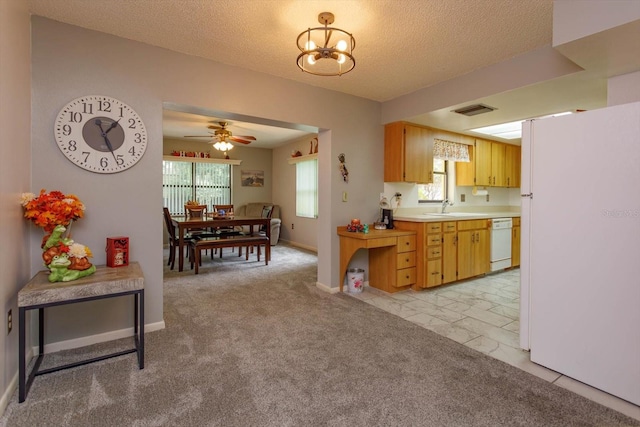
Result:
87,108
104,162
119,160
138,138
86,156
121,111
66,130
132,150
75,117
132,123
104,106
72,145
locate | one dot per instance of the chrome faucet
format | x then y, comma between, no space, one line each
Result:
445,203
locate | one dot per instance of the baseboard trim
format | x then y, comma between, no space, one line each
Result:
300,245
98,338
326,288
6,397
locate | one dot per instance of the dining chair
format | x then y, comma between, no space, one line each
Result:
173,238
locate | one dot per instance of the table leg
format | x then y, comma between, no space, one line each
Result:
22,374
181,248
141,331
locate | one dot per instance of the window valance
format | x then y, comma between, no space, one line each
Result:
448,150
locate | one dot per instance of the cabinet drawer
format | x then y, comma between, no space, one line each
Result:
449,226
434,273
434,227
406,243
434,239
406,259
406,276
434,252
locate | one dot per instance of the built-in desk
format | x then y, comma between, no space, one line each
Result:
392,256
106,282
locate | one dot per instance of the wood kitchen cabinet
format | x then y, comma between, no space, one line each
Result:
515,243
449,252
434,254
492,164
473,248
512,166
408,153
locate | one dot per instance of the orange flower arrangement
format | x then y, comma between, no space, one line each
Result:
50,209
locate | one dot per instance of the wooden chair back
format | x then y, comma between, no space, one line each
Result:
195,211
228,209
170,227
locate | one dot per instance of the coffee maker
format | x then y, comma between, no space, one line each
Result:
387,218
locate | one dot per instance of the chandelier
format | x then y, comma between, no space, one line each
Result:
326,51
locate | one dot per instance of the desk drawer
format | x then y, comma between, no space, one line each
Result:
406,243
434,252
406,259
405,277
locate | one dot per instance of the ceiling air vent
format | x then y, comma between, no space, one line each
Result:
473,110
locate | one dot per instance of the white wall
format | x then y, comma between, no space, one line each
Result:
15,171
573,20
623,89
67,65
305,230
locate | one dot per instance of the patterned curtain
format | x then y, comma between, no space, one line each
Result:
447,150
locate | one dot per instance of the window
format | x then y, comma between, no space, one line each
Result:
307,188
437,191
208,183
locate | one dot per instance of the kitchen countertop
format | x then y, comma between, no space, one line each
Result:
452,216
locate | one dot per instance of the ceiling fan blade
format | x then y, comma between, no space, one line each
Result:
214,127
252,138
241,141
197,136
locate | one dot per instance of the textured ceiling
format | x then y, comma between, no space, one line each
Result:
401,45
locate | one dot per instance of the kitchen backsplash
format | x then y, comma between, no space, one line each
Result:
498,197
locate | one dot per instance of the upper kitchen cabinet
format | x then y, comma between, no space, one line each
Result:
493,164
408,153
512,165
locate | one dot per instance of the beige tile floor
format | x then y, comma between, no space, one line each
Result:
482,314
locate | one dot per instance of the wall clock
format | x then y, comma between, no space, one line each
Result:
100,134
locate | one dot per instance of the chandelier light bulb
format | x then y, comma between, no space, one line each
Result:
342,46
311,60
341,59
310,45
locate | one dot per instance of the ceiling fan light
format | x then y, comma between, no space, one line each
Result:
341,46
310,45
311,60
342,59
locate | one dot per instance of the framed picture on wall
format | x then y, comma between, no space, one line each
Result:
252,178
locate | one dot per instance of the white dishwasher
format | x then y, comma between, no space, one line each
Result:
501,243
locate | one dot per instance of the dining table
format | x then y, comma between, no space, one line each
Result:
185,223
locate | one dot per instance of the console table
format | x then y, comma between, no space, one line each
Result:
106,282
392,256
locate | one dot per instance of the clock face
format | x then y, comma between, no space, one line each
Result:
100,134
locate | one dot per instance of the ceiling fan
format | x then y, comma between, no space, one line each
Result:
221,134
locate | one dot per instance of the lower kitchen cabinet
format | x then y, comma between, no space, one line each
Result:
449,252
515,243
474,248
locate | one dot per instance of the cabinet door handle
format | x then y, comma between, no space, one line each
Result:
406,260
478,234
494,180
473,237
508,181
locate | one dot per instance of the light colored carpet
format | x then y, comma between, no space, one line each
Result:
252,345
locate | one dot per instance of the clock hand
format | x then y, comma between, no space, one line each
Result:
106,139
113,124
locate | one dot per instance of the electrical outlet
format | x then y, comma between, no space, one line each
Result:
292,226
9,322
487,197
462,197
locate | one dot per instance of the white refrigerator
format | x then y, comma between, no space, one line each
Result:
580,267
